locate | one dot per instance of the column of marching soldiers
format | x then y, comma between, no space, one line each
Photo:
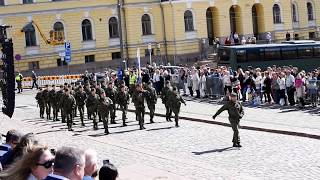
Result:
102,100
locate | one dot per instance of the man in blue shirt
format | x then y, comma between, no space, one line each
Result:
12,139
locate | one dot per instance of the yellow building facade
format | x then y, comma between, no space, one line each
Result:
177,31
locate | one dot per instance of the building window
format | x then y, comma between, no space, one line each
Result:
89,58
86,30
146,24
276,14
116,55
113,28
188,21
27,1
30,35
58,31
61,63
294,13
147,54
312,35
33,65
2,3
310,11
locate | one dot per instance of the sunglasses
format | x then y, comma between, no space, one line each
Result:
47,164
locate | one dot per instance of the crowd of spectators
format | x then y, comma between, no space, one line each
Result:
285,85
24,158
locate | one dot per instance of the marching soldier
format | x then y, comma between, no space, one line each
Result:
81,97
111,93
138,99
68,104
235,111
41,102
104,109
92,103
45,94
53,102
58,97
175,103
99,91
123,100
166,93
151,100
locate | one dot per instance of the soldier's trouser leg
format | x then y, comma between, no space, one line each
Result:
104,117
124,113
152,108
140,111
81,111
176,117
69,120
95,123
167,112
234,125
41,111
75,112
63,116
113,114
99,116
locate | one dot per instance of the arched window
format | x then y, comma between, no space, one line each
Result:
310,11
86,30
113,28
30,35
188,21
276,14
294,13
146,24
58,31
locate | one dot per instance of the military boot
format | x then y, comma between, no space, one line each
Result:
95,126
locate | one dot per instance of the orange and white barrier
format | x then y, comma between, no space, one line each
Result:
50,80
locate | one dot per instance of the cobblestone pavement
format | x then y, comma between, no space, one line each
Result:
193,151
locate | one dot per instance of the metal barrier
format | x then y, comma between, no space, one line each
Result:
50,80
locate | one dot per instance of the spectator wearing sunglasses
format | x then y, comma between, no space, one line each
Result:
69,164
35,164
18,150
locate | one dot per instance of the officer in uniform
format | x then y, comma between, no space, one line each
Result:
92,103
41,102
68,104
45,94
151,100
53,102
80,97
138,99
175,104
104,109
111,93
123,100
166,93
19,79
235,111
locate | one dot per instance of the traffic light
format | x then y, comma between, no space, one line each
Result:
7,82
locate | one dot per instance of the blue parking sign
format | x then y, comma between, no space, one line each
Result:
67,47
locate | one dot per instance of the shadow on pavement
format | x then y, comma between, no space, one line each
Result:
215,150
157,129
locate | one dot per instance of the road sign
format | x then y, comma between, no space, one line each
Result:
67,47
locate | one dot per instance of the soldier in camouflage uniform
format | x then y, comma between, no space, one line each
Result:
122,99
151,100
138,99
81,97
111,93
58,97
104,109
235,111
45,95
175,104
68,104
41,102
99,91
92,103
166,93
53,102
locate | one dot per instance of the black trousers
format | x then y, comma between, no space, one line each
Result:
190,90
81,112
140,115
290,93
124,109
34,84
152,108
235,127
69,119
168,111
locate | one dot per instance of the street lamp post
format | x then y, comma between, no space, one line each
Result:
150,48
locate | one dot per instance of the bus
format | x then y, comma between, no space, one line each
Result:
302,54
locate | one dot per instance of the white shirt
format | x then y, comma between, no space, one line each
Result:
257,81
226,80
282,83
58,177
156,77
290,81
